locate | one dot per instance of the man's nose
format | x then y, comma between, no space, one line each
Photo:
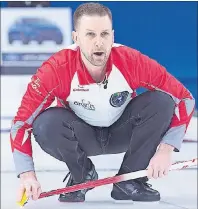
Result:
99,42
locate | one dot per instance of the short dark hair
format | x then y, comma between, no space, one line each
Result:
91,9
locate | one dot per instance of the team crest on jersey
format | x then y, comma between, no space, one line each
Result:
119,98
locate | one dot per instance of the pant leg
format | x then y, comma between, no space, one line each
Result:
63,135
140,129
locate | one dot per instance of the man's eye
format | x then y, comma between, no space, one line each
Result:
90,34
105,33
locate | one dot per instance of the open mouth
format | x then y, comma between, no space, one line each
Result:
98,53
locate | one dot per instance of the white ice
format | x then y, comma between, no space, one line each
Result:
178,190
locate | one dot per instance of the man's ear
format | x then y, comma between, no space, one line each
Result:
75,37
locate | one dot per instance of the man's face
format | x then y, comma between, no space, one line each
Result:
94,36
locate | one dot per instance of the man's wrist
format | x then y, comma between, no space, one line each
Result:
27,174
165,148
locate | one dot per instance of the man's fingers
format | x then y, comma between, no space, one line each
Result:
35,191
20,193
39,191
28,190
161,173
166,171
32,190
156,172
150,172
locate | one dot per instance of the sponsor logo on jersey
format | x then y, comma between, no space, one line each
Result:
80,88
35,83
118,99
86,104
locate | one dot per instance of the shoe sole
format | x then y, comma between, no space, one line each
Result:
136,202
124,197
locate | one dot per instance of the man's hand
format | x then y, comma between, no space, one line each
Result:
160,163
30,185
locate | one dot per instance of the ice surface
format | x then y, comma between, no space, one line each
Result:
178,190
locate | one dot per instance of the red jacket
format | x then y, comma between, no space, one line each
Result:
54,80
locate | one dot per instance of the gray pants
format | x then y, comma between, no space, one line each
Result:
137,133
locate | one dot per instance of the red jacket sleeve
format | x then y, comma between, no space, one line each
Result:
39,95
153,76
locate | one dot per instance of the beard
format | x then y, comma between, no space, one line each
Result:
96,59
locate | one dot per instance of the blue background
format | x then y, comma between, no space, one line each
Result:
165,31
